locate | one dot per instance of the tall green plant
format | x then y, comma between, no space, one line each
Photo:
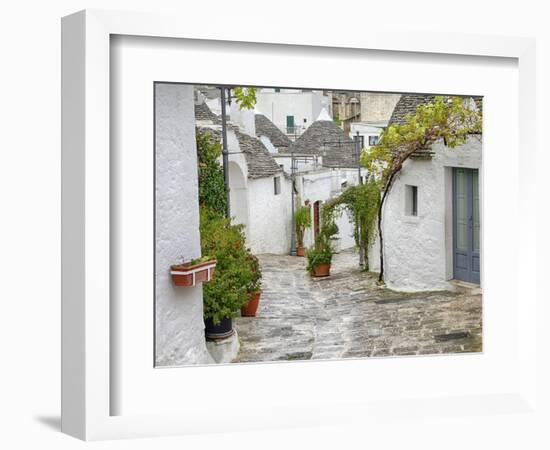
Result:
361,202
302,219
211,183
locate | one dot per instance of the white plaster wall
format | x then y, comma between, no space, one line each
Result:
270,216
302,105
418,250
319,186
238,193
245,118
214,104
178,310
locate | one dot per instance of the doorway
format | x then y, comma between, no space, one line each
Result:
466,225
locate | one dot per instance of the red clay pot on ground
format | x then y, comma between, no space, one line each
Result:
249,310
321,270
300,251
191,275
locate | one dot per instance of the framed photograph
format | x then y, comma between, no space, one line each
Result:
261,232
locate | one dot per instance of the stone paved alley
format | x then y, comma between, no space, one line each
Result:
347,316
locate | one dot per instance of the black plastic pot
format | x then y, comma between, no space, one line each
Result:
220,331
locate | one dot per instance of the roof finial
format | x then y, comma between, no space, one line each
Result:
324,115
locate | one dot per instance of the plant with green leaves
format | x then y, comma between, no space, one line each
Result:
245,97
449,119
229,288
236,272
255,283
321,252
361,202
211,183
302,220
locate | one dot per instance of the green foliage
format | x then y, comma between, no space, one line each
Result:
245,97
447,119
302,218
361,202
211,183
237,270
255,283
318,255
322,250
229,288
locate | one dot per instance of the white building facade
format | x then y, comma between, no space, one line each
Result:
292,110
179,325
432,219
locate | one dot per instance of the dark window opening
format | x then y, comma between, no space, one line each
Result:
411,200
277,185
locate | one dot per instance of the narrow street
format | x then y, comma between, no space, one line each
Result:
347,316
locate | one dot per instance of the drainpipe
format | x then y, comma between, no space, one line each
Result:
225,154
358,155
293,226
359,181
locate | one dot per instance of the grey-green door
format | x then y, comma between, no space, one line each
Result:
466,242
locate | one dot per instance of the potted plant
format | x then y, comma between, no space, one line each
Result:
253,289
228,290
302,220
193,272
319,257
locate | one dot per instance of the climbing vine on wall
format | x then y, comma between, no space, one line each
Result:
211,185
361,202
450,119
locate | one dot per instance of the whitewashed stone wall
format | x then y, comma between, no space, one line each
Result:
290,102
270,216
419,250
323,185
178,310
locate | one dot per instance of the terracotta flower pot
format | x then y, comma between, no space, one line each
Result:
192,274
300,251
249,310
321,270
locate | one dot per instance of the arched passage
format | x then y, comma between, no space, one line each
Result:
238,196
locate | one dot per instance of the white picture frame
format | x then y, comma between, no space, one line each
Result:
86,346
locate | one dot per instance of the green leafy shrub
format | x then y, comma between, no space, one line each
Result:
229,288
322,250
302,218
318,255
255,283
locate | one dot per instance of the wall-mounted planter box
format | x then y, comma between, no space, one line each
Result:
192,274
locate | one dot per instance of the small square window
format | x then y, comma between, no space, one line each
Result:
277,185
411,200
373,140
